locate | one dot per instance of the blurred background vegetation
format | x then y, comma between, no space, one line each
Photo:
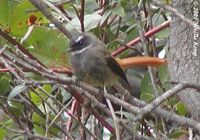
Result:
33,107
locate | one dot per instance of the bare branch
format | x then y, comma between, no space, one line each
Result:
156,102
42,7
115,119
145,48
173,11
138,39
81,16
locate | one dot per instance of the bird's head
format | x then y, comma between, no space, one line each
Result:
81,41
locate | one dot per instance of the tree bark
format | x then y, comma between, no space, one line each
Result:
184,55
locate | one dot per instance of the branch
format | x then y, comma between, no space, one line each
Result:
81,16
8,66
72,111
64,70
138,39
59,113
156,102
36,137
168,115
115,119
171,116
18,45
145,48
13,130
59,3
173,11
65,81
40,4
136,136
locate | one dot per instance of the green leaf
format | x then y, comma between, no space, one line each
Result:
16,109
163,34
47,88
65,94
91,21
18,89
118,10
19,18
4,84
7,122
181,108
35,98
178,133
146,97
146,89
157,18
112,45
3,133
105,17
91,6
164,76
132,33
6,8
49,46
128,115
39,123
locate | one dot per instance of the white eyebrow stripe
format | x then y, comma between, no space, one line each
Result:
79,38
80,51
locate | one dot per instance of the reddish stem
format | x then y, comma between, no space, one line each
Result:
6,70
65,70
58,70
137,40
19,46
103,122
72,111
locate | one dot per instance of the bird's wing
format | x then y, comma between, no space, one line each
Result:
116,68
112,64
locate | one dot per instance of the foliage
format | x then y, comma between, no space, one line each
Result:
34,103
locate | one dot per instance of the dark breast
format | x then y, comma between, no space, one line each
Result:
92,68
98,72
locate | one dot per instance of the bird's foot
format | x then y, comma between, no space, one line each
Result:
101,91
76,81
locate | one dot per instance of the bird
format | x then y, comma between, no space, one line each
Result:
92,63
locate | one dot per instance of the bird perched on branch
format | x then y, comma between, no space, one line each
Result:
92,63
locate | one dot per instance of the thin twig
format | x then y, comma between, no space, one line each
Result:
28,33
81,16
13,130
60,112
64,80
168,115
8,66
165,114
18,45
138,39
151,27
135,135
58,3
173,11
156,102
42,7
117,129
49,4
72,111
146,51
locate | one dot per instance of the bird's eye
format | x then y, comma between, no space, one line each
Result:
81,42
